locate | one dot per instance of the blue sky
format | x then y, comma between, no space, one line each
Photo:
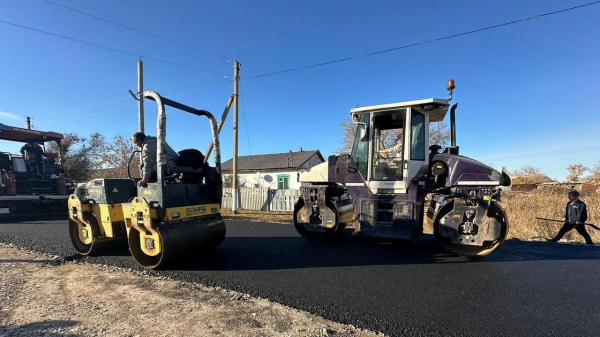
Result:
525,92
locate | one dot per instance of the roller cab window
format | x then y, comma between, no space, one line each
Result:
417,142
360,148
388,145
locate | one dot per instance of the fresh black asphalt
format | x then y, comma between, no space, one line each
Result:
410,288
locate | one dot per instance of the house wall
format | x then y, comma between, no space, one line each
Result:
266,179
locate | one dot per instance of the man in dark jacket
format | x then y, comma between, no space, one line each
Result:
34,153
575,217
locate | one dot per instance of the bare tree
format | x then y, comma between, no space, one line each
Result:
594,177
438,134
530,175
575,172
114,158
80,154
348,133
96,157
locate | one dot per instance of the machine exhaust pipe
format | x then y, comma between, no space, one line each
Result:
453,149
453,125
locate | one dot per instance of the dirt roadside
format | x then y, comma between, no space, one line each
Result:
259,216
43,296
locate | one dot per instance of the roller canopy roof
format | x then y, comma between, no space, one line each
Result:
436,107
16,134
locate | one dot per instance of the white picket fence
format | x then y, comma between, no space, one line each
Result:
262,199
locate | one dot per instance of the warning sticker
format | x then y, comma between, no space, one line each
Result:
115,190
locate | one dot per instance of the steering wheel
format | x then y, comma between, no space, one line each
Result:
135,180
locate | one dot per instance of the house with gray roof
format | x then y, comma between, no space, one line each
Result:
273,170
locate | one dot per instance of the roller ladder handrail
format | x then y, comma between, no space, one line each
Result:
161,126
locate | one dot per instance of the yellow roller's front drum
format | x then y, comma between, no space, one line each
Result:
85,234
176,241
150,244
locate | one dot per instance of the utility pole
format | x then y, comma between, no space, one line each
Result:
28,123
236,79
141,96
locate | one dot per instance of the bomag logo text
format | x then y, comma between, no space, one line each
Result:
195,210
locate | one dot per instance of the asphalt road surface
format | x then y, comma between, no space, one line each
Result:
412,289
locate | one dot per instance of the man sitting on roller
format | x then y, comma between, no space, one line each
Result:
148,166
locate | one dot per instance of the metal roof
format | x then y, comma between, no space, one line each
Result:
15,134
435,115
271,161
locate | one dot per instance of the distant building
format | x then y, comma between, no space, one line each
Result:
533,179
530,183
588,187
275,170
527,184
583,187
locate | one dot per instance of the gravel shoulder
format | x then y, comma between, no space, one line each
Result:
42,295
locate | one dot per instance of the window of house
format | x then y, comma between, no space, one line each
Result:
283,182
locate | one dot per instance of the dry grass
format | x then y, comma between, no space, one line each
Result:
259,216
523,208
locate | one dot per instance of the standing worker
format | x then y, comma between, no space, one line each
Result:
148,165
34,153
575,217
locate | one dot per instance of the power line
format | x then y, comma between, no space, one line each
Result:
328,62
136,30
245,121
179,82
128,97
195,87
425,42
109,48
134,105
89,115
86,107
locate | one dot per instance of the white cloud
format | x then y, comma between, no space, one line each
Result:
6,115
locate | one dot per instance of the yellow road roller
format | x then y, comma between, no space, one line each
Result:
178,214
